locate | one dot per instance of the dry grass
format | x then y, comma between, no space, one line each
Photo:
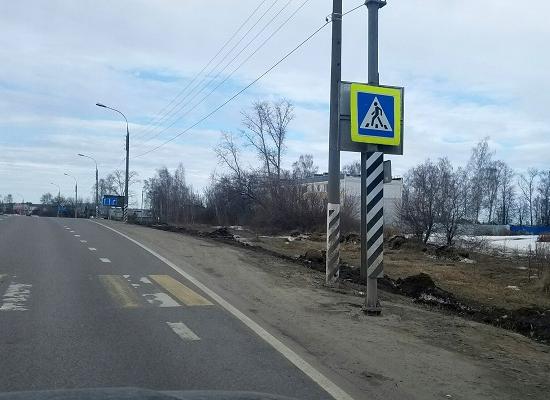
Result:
484,281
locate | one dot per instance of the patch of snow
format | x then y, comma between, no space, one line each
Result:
512,287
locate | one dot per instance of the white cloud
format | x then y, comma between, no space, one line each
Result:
469,72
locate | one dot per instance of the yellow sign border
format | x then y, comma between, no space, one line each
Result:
396,93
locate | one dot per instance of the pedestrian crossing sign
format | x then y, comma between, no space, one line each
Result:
376,114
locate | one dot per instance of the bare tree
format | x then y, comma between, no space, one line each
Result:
478,168
46,198
353,168
527,185
492,185
281,113
544,198
450,199
507,192
266,130
418,208
257,132
228,154
304,167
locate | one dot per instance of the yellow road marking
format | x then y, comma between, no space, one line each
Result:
180,291
120,291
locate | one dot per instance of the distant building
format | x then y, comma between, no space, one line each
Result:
350,189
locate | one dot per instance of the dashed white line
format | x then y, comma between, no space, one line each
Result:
333,389
71,231
76,235
83,241
92,248
183,331
105,260
16,297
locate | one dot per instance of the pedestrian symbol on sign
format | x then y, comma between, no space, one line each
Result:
376,118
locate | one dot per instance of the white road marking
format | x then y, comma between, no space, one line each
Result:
105,260
71,231
16,297
145,280
330,387
126,276
83,241
161,300
76,235
183,331
92,248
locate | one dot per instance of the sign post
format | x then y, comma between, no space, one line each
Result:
371,122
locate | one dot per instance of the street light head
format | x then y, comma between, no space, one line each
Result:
81,155
101,105
65,174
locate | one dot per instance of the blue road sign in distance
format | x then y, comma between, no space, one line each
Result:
112,200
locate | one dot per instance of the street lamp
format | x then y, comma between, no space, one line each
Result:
58,196
75,194
22,202
96,185
125,208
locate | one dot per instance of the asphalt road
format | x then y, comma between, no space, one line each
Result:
82,307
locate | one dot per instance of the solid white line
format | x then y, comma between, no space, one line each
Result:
83,241
92,248
334,390
105,260
183,331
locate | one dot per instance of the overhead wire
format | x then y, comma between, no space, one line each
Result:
179,102
237,94
232,72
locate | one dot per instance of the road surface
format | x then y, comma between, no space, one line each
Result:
81,307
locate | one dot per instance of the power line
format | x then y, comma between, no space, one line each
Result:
238,93
170,111
204,67
232,72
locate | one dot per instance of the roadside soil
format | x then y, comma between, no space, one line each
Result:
409,352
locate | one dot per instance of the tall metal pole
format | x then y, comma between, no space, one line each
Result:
96,193
333,209
371,164
75,194
125,210
75,199
58,197
126,197
96,184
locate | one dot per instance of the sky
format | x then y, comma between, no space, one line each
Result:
470,70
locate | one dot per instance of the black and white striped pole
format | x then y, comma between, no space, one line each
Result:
372,186
333,208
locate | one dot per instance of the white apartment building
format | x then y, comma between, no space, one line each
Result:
350,187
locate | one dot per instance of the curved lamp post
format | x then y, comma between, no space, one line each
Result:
58,196
125,208
75,194
96,184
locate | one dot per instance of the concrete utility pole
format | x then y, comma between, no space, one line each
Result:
372,203
126,197
333,209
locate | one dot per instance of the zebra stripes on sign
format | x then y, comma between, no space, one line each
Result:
375,215
333,242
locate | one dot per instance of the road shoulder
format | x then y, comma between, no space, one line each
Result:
409,352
